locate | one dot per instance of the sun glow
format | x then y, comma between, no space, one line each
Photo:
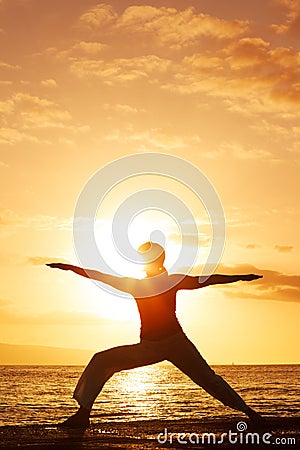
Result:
111,304
140,230
119,309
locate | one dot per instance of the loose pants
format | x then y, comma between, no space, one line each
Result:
177,349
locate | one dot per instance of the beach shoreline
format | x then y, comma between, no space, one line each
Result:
158,434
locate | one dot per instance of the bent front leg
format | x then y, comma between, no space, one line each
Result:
104,364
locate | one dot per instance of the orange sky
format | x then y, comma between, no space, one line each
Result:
217,83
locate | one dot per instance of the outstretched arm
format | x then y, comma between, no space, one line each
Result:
190,282
224,279
120,283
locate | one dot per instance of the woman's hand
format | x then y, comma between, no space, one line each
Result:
61,266
250,277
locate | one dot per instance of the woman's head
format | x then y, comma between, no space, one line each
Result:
153,256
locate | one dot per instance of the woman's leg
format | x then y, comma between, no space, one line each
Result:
187,358
101,367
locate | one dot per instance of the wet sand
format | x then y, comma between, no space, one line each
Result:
279,432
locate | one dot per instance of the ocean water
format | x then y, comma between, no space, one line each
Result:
43,394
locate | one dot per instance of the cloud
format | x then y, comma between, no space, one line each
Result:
11,222
284,248
98,17
79,50
217,60
5,83
278,129
154,29
252,246
90,48
122,108
247,69
190,239
120,70
5,65
161,139
166,27
237,218
37,112
236,150
23,111
9,217
177,29
12,136
153,139
273,286
6,107
49,83
24,115
291,24
246,52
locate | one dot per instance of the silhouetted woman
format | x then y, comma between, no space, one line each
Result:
161,336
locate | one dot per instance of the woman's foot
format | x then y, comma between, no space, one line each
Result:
81,419
254,416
